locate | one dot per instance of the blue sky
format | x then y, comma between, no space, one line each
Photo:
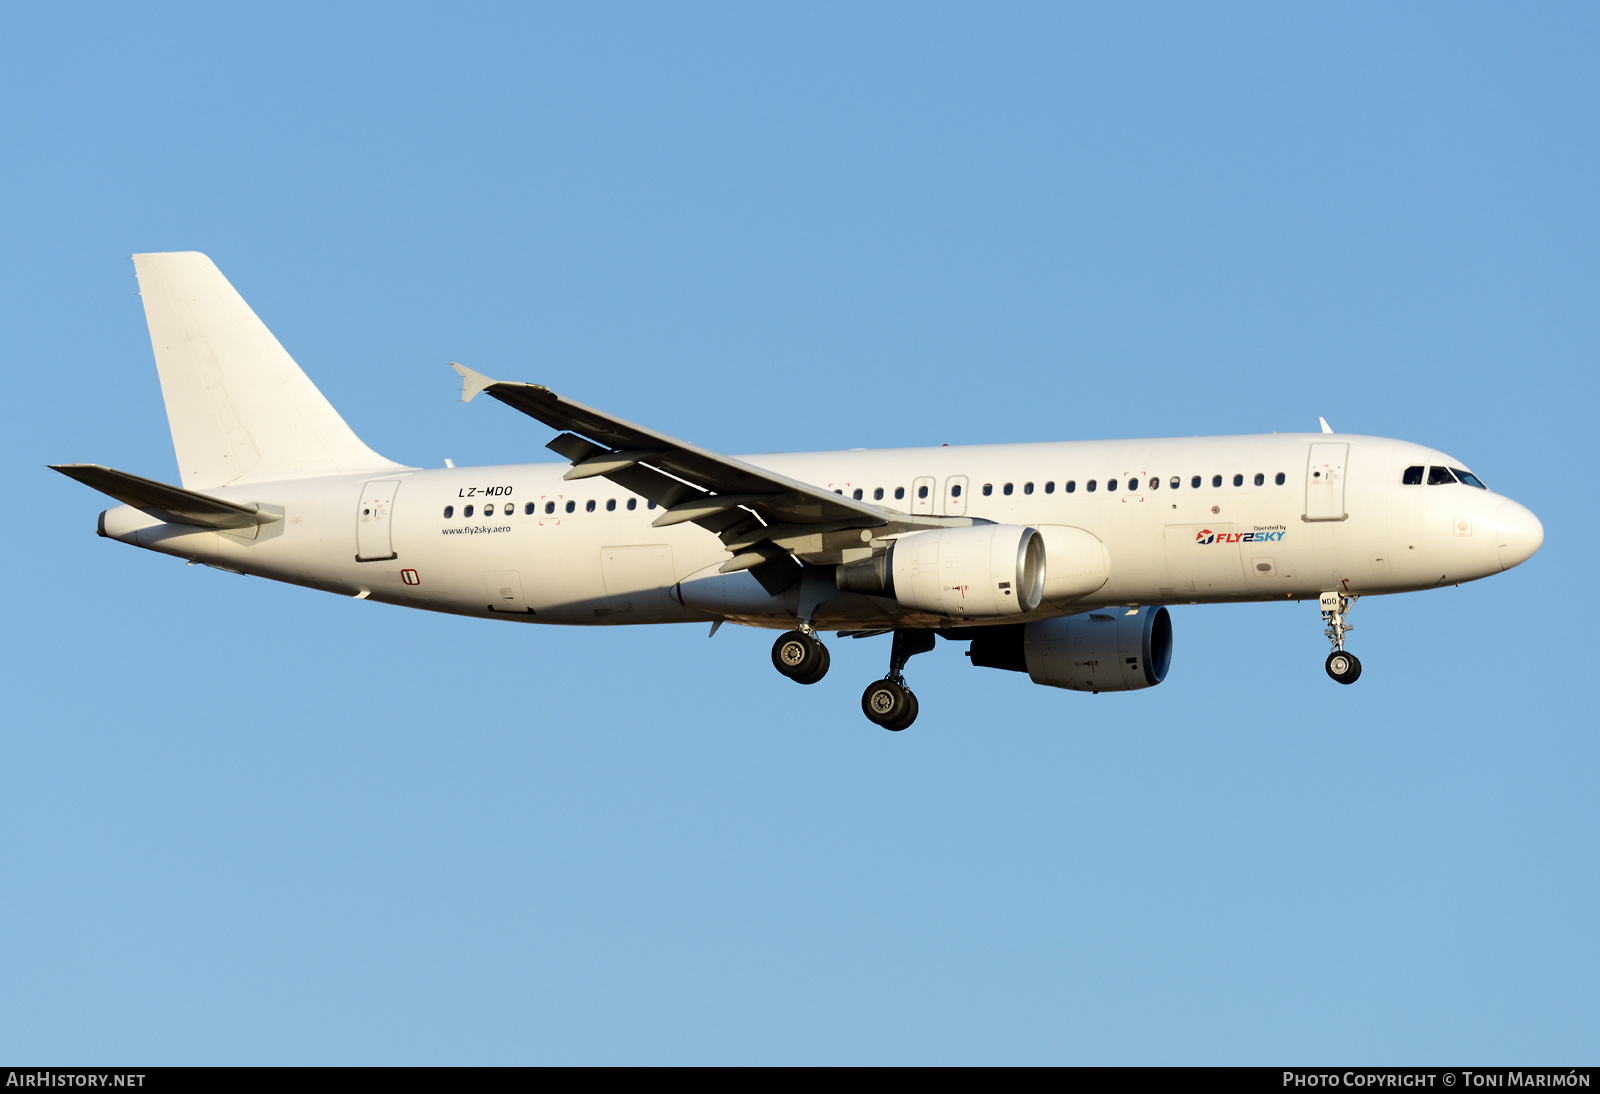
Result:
248,823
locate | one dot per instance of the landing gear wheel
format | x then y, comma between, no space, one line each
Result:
909,716
800,657
887,704
821,668
1343,667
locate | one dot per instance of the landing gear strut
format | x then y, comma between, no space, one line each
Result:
1342,666
888,702
801,656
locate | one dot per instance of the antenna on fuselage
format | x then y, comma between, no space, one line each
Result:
1325,427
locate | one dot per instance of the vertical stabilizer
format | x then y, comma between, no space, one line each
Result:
239,406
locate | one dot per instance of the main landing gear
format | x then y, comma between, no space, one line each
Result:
801,656
1342,666
888,702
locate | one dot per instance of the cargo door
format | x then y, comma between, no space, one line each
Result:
1325,481
504,591
1204,559
638,581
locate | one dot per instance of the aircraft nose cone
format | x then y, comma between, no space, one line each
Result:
1519,534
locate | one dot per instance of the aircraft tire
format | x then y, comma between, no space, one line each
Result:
885,703
1343,667
908,717
820,669
797,655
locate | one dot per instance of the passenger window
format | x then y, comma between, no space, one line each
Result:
1027,488
1111,484
1089,486
1049,488
611,505
1071,487
1261,480
1469,478
1238,480
1279,478
1216,481
922,491
488,510
1155,482
572,506
1133,484
449,511
877,495
955,491
649,505
1411,477
633,503
549,507
529,508
857,494
1176,482
1194,483
988,488
1006,489
839,492
1439,476
899,493
588,506
467,512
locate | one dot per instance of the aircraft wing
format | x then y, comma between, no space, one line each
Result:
766,520
172,504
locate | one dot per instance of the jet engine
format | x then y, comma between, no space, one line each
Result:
986,571
1110,649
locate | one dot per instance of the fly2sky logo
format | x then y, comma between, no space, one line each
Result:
1260,535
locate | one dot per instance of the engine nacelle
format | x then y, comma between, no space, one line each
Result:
1112,649
987,571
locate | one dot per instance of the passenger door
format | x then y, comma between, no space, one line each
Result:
374,542
1325,481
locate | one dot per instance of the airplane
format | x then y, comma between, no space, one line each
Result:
1054,559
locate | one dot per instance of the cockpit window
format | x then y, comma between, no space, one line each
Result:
1440,476
1469,478
1412,477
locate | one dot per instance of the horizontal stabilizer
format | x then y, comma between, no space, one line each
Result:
171,504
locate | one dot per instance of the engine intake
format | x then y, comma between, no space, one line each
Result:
986,571
1110,649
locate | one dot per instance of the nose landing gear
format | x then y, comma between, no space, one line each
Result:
888,702
1343,667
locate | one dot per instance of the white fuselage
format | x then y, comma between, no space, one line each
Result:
587,553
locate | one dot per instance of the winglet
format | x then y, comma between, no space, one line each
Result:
471,382
1325,427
